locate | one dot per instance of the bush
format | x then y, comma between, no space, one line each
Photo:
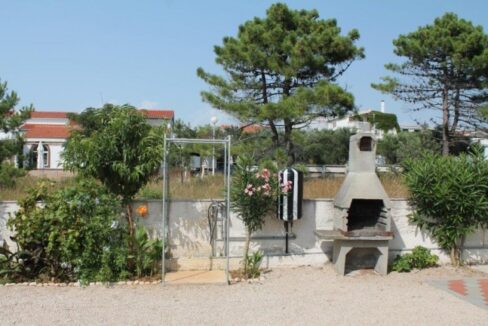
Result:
253,262
8,174
420,258
450,197
74,235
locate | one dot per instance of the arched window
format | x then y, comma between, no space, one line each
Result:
34,156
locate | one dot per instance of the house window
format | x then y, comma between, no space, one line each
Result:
45,156
34,156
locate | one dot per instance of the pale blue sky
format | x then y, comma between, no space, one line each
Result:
69,55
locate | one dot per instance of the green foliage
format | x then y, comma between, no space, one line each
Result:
73,235
450,197
446,68
324,146
407,145
253,193
381,121
8,174
10,121
253,196
148,253
121,150
420,258
280,71
253,262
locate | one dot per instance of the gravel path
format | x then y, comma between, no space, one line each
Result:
299,296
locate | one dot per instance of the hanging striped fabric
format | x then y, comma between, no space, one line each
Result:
290,203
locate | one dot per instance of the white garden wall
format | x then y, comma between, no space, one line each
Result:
188,234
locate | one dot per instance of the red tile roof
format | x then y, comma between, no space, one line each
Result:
46,131
151,114
158,114
49,115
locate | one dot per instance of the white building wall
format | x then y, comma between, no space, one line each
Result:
56,160
188,234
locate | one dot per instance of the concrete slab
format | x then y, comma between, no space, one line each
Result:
196,277
480,268
472,290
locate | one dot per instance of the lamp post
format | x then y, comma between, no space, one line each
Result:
214,121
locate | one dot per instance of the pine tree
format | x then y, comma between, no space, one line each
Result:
446,69
280,72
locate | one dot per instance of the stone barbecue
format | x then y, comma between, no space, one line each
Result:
361,208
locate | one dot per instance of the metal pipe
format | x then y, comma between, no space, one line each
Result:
228,205
291,236
163,213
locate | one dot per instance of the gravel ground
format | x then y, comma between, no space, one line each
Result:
304,296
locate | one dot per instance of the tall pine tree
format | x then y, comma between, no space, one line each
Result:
280,72
446,69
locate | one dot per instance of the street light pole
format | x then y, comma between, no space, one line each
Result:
214,121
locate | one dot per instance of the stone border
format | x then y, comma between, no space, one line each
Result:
79,284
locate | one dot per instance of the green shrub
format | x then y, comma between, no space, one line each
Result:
449,196
8,174
73,235
253,262
148,253
420,258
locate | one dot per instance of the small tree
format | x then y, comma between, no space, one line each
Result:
121,150
253,196
450,197
10,121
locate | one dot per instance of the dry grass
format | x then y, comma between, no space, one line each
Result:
24,184
213,187
209,187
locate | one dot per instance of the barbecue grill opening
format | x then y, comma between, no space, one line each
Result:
366,144
366,214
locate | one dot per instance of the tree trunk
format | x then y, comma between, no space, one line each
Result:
130,221
275,136
454,256
445,121
290,152
246,250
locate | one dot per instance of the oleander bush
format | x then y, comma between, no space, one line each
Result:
449,196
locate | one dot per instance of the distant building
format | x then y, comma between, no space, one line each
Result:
45,134
363,120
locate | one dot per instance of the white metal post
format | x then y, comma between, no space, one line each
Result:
163,235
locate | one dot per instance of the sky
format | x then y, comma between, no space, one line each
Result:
70,55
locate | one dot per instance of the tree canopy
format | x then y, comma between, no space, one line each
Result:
119,148
280,71
10,121
445,68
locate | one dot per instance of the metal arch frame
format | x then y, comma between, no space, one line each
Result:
164,214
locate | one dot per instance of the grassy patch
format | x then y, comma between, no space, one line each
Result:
212,187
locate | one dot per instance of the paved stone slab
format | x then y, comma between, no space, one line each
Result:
472,290
480,268
196,277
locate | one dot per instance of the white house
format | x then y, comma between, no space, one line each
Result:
45,134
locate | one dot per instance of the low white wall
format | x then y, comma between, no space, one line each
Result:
188,234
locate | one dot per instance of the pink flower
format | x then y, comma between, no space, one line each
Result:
265,174
286,186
